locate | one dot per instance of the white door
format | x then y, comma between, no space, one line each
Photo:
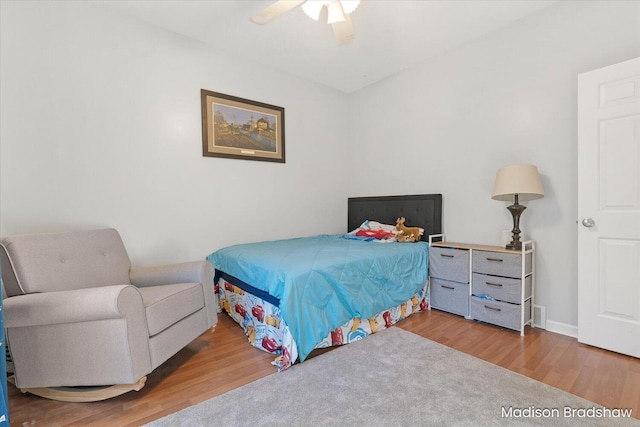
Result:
609,207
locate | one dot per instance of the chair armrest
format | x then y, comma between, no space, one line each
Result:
74,306
186,272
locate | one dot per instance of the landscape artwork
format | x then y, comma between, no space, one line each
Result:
239,128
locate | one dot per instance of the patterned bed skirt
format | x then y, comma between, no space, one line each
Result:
266,329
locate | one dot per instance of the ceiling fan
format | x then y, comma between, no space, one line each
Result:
338,14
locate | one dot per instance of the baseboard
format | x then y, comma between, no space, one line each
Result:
562,328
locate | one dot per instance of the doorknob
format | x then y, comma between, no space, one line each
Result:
588,222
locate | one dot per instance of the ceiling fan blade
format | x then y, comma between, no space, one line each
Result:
275,10
343,30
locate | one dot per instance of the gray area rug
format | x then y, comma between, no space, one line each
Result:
374,382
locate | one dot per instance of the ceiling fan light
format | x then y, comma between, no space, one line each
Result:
335,12
348,6
312,8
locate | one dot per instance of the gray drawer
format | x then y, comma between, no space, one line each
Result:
501,288
450,296
500,264
449,264
499,313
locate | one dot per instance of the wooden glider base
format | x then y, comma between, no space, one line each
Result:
83,394
86,394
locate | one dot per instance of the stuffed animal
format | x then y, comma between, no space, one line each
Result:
404,238
407,234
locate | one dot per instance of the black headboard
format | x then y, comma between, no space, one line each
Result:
420,210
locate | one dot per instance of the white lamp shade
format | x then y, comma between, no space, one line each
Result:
312,8
335,12
336,9
522,180
349,5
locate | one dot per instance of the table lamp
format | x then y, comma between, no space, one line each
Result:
517,183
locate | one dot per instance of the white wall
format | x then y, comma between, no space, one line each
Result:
447,125
100,126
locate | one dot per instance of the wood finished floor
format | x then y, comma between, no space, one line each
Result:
216,363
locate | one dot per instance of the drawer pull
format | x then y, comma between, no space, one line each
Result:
494,284
492,308
494,259
446,256
447,287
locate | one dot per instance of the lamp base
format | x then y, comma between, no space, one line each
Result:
516,210
514,246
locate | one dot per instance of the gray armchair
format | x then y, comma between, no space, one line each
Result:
77,314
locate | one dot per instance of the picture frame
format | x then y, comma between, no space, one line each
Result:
238,128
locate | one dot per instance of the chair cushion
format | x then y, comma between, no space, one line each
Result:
168,304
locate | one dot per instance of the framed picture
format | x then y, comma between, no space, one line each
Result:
238,128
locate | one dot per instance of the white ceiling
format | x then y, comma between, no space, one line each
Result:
390,36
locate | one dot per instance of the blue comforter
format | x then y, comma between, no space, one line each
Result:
324,281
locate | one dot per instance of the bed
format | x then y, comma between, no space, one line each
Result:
296,295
